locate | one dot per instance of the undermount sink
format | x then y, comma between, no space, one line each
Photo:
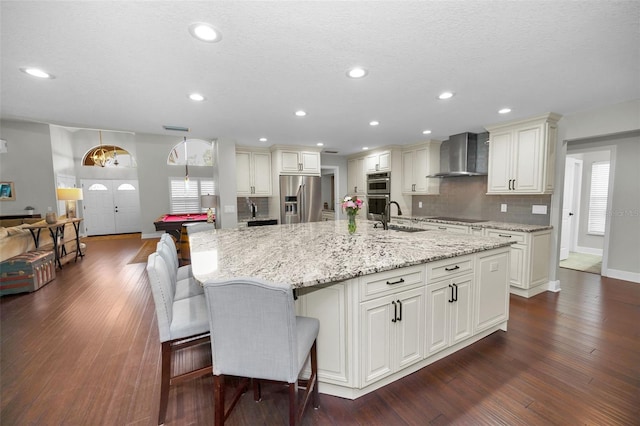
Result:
405,229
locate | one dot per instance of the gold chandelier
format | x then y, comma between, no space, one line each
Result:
104,157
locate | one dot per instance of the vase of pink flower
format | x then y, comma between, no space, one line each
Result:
351,205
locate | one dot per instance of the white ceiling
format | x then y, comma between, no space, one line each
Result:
130,66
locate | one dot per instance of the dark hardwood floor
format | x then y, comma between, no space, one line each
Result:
84,350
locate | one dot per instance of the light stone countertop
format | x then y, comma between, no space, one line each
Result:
505,226
309,254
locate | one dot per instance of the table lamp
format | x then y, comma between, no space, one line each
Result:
70,196
209,202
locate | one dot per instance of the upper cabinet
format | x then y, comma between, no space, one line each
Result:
253,173
378,162
522,156
356,177
295,162
418,162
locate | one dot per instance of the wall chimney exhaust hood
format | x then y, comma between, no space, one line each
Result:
465,154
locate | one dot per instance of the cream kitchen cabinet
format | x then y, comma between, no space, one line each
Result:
459,229
529,264
356,177
298,162
449,303
253,173
491,301
378,162
418,162
522,156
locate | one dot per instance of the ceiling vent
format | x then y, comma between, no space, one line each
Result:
330,152
176,128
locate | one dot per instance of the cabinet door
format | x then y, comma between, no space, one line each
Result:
384,161
461,310
371,163
499,176
437,314
517,265
528,153
420,162
310,162
492,290
243,173
407,172
356,177
375,339
409,328
289,161
261,173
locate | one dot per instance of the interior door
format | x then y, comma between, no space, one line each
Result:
570,206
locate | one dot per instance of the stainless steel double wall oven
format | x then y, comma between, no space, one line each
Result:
378,193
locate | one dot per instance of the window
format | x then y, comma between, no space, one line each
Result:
598,197
185,198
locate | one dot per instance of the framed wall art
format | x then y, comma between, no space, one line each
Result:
6,191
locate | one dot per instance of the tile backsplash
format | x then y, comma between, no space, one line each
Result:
244,211
466,197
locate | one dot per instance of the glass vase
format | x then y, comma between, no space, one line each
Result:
352,222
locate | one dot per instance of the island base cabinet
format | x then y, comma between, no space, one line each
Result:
330,305
449,312
492,295
391,334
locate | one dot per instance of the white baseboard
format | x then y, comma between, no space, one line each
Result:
554,286
622,275
589,250
151,235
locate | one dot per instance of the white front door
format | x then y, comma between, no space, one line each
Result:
570,205
111,206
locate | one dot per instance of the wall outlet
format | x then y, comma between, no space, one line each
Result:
419,204
503,208
538,209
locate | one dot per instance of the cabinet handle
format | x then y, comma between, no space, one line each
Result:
355,189
452,269
444,228
400,281
451,298
502,235
455,288
400,316
514,184
395,312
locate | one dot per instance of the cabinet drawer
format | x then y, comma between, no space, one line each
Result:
387,282
449,267
518,237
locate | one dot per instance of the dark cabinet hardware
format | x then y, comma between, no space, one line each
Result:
455,290
452,269
442,227
506,236
451,298
400,305
395,312
400,281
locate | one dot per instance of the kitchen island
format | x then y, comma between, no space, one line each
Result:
389,302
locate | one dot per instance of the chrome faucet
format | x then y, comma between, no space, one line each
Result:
385,222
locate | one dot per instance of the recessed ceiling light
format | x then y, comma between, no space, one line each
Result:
262,139
445,95
320,144
426,132
205,32
36,72
374,123
504,111
196,97
364,148
357,72
301,113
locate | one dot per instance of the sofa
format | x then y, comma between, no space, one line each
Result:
15,239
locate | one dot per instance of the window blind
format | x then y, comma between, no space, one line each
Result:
186,198
598,197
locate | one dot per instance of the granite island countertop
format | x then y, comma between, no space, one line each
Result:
505,226
308,254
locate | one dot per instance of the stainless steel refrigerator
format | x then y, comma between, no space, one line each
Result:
300,199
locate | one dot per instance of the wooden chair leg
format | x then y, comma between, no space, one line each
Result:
257,390
218,404
293,400
165,380
314,374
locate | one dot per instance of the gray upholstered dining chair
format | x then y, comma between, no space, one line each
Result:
183,271
182,288
256,334
181,323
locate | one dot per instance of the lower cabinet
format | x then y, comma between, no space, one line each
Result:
391,334
491,305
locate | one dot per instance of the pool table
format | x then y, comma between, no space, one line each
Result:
172,223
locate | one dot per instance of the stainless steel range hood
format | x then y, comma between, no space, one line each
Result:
465,154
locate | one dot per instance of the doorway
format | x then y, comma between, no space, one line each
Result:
585,203
111,206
